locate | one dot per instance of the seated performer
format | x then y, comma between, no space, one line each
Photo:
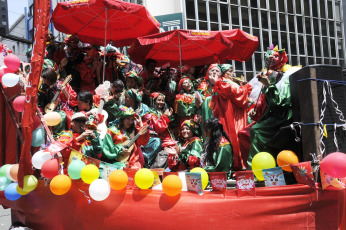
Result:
189,153
81,139
217,152
125,130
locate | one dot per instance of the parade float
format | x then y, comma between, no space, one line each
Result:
85,193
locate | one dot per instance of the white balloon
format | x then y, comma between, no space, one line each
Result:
10,79
8,174
39,158
99,190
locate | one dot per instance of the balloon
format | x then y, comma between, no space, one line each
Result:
99,190
21,192
30,183
50,168
11,192
37,122
75,168
118,179
38,136
8,174
287,157
3,170
172,185
204,175
18,103
144,178
60,184
262,160
4,181
52,118
10,79
14,172
4,70
90,173
12,62
334,164
39,158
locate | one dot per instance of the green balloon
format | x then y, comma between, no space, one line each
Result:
75,168
4,181
3,170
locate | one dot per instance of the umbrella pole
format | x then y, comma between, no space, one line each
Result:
104,49
180,62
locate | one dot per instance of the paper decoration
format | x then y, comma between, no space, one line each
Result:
131,175
55,147
194,182
274,177
303,173
157,180
218,181
245,183
329,181
182,177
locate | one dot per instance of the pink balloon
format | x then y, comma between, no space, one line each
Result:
18,103
37,122
334,164
12,62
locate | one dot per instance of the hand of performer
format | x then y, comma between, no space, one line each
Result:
138,120
263,78
85,134
178,148
169,112
198,100
252,113
126,151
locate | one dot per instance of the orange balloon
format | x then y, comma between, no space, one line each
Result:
285,158
118,179
60,184
14,172
172,185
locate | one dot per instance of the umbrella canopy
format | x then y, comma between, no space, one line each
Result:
186,46
244,44
100,21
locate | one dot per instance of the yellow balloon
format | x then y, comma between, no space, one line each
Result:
90,173
204,175
21,192
262,160
52,118
144,178
30,183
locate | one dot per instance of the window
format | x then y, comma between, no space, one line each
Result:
245,16
234,15
190,12
224,14
298,7
191,25
202,11
213,12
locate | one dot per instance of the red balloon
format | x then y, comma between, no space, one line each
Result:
334,164
12,62
50,168
37,122
18,103
4,71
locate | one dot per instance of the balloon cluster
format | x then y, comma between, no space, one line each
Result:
7,72
9,174
264,160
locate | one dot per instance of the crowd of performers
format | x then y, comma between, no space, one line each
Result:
201,117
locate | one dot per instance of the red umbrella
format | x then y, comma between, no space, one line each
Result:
176,46
244,44
99,21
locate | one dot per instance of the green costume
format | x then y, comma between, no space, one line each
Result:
278,113
223,161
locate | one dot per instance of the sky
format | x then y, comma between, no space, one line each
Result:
15,9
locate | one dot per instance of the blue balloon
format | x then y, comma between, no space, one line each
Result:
38,137
4,181
11,192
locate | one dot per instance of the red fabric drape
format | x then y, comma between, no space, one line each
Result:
283,207
41,22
